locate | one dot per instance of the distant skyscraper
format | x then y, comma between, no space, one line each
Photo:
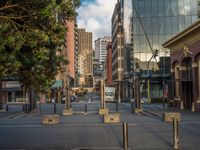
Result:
85,55
101,48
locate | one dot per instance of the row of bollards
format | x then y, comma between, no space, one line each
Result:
175,134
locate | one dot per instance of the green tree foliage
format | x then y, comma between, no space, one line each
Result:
31,34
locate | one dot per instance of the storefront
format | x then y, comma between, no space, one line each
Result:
11,92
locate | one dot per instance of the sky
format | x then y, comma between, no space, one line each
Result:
95,16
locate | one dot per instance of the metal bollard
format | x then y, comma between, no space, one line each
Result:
54,107
132,105
6,107
117,107
125,136
86,108
175,134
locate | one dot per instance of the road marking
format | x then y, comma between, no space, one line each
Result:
12,116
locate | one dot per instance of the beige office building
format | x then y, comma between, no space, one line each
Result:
85,52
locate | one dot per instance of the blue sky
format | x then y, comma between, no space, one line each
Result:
95,16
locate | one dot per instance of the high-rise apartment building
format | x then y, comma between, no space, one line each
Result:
101,48
85,53
117,44
117,50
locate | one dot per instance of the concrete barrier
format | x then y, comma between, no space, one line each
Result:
50,119
170,116
112,118
103,111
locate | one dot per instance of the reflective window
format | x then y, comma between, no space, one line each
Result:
136,43
155,25
148,25
193,7
174,24
161,25
136,26
154,7
174,7
155,42
181,23
168,8
148,7
142,8
142,43
168,22
161,10
181,9
188,21
187,7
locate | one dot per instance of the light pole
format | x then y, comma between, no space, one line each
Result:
155,54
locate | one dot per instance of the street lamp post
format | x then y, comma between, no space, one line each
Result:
148,81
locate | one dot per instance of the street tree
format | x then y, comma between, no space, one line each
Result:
32,33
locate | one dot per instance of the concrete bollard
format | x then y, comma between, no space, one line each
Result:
50,119
175,133
125,136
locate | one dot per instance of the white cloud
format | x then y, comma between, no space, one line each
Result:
96,17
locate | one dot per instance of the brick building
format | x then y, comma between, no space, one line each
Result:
185,66
108,65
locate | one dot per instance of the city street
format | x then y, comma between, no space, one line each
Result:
86,130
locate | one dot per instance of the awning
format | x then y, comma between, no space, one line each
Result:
57,84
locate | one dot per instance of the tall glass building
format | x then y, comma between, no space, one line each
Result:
147,24
154,22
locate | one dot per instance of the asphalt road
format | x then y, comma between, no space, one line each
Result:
86,131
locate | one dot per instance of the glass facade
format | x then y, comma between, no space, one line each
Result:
157,21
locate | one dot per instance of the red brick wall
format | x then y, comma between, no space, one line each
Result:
69,51
109,64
